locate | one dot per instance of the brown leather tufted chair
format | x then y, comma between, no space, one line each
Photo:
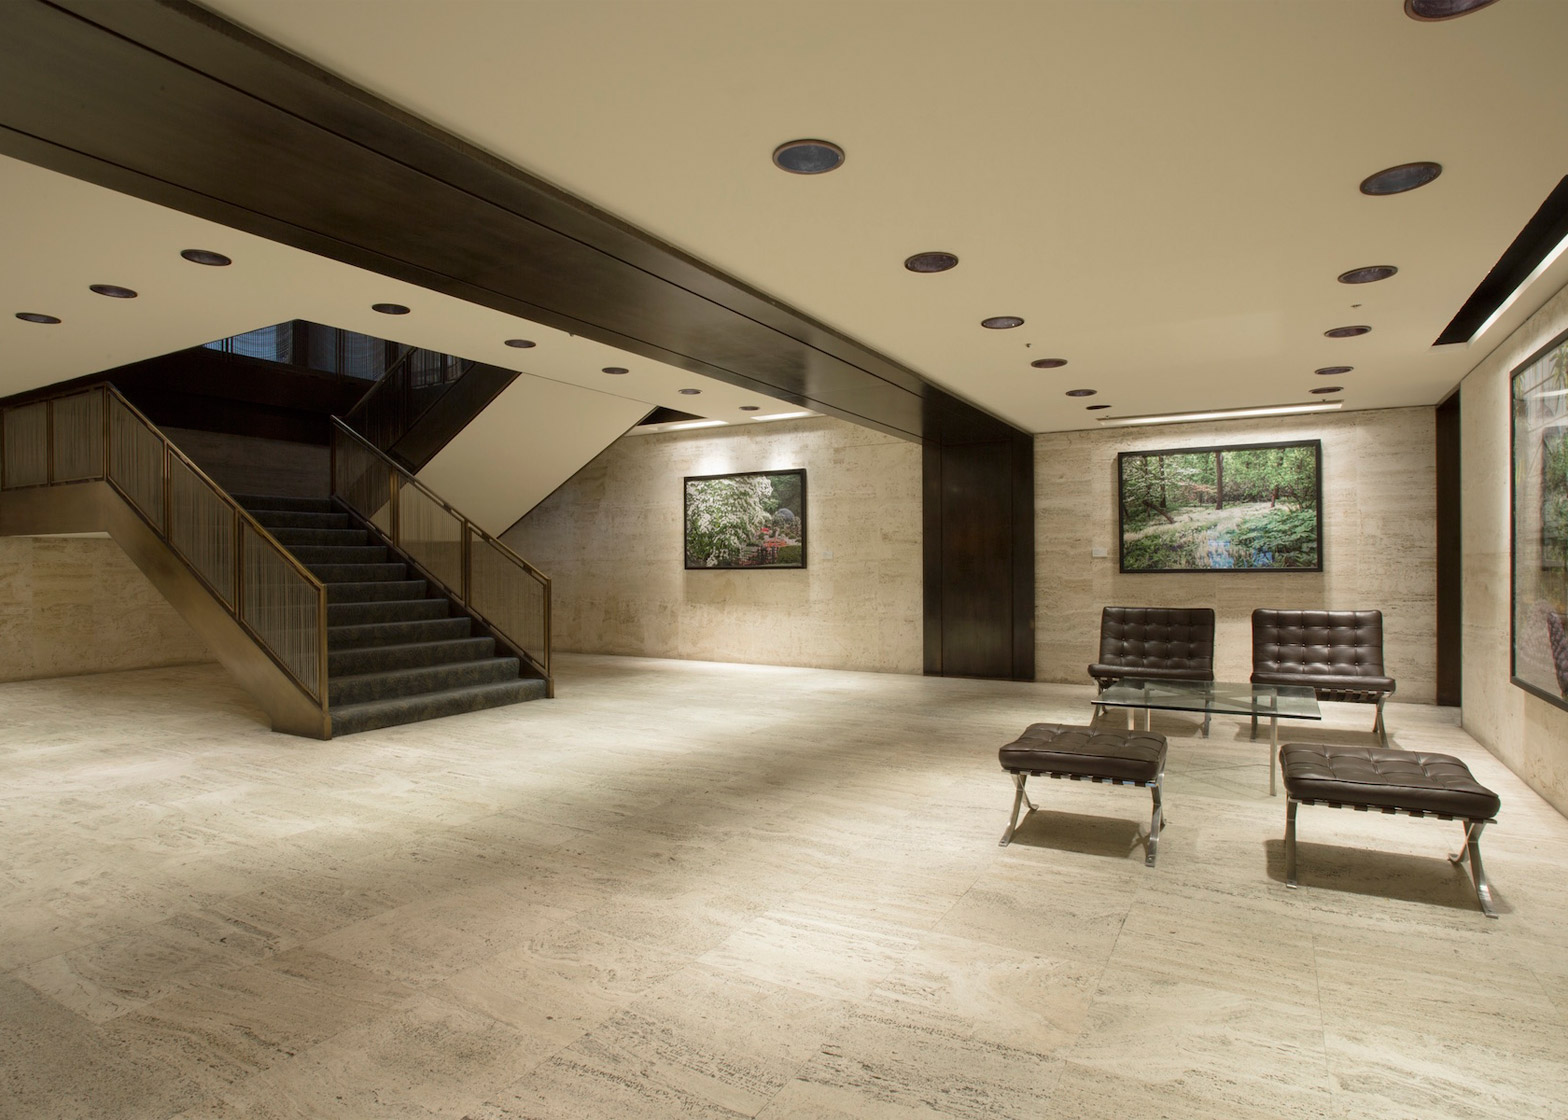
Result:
1339,654
1155,643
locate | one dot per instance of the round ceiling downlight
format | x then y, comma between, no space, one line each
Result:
206,256
113,291
615,371
1332,371
521,343
690,392
1347,332
1001,322
37,317
931,262
1095,407
1048,363
389,308
1431,11
1321,389
1398,180
1368,275
1082,392
751,408
808,157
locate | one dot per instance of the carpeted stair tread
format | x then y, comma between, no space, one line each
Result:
340,554
407,655
359,636
254,502
351,718
358,573
417,679
376,590
394,610
291,537
303,519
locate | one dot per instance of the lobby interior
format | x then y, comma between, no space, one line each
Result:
745,863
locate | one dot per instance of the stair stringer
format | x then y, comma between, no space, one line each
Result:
96,507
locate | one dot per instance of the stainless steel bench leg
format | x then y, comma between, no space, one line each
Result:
1378,725
1254,722
1156,822
1206,717
1291,805
1020,798
1472,852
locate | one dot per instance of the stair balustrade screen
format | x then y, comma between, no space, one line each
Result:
97,434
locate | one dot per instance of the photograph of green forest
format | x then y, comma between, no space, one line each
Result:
751,520
1540,516
1253,508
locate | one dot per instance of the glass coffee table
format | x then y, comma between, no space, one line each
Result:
1275,702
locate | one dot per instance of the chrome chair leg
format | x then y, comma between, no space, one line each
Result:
1291,805
1378,725
1472,852
1020,798
1157,821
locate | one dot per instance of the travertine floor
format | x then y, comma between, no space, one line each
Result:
687,889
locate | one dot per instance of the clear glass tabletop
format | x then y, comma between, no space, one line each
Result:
1287,701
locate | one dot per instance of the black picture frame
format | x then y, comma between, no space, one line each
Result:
1538,523
1282,534
744,521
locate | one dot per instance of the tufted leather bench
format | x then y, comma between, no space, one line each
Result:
1056,750
1155,643
1338,654
1410,782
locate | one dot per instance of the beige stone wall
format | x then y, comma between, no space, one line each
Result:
71,605
1379,544
611,540
1526,732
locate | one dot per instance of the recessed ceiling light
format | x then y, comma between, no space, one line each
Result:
1048,363
205,256
690,392
750,407
1082,392
1368,275
1347,332
36,317
1332,371
808,157
113,291
1221,414
389,308
521,343
1398,180
1002,322
1430,11
615,371
1322,389
930,262
1095,407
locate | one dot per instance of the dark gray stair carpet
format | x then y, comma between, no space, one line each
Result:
396,651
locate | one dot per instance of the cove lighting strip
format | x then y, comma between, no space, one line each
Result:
782,416
1222,414
1546,263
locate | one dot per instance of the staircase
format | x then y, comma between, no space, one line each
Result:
397,650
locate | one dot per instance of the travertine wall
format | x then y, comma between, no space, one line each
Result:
1379,544
1526,732
71,605
611,539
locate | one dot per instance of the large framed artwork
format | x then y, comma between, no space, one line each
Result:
1540,523
756,519
1244,508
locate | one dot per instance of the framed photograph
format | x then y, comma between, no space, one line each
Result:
1539,493
1247,508
752,520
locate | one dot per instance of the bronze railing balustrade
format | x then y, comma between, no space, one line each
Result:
96,434
499,587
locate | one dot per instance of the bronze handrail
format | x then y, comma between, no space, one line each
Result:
243,520
405,477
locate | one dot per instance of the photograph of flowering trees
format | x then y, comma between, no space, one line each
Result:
1222,508
751,520
1540,516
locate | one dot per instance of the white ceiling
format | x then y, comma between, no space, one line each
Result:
1164,189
